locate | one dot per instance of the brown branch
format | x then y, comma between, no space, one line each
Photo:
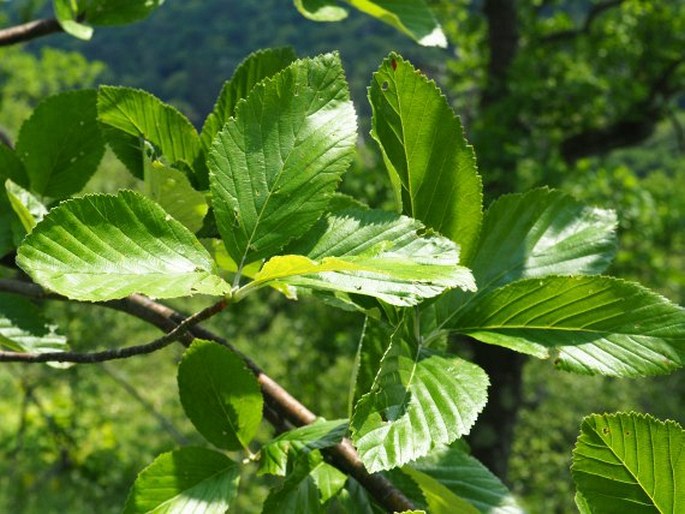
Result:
282,406
116,353
28,31
593,14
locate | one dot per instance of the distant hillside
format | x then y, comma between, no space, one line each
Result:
185,51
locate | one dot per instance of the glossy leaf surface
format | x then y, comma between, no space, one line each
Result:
275,166
592,324
430,162
630,463
103,247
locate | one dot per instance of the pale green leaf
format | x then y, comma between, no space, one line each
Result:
103,247
255,68
275,166
67,13
141,115
320,434
11,166
321,10
420,400
220,395
467,478
593,324
60,144
183,481
371,253
440,499
171,189
23,328
329,480
412,17
431,165
26,206
630,463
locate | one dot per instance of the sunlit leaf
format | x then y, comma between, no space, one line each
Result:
630,463
299,493
412,17
440,499
103,247
592,324
321,10
275,166
432,167
220,395
185,480
420,400
26,206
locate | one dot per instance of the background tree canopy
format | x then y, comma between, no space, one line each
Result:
585,96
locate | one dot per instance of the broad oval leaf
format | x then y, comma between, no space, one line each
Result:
140,115
299,492
432,167
23,328
320,434
468,479
275,166
439,499
412,17
220,395
420,400
104,247
255,68
117,12
594,324
185,480
630,463
60,145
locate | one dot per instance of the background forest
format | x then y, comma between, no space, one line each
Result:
585,96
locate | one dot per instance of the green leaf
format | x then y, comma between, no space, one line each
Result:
60,144
594,324
104,247
371,253
255,68
412,17
630,463
67,13
11,166
534,234
321,10
219,395
431,165
142,115
117,12
329,481
130,150
275,166
420,400
23,328
467,478
171,189
27,207
320,434
299,493
439,498
185,480
373,344
8,225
